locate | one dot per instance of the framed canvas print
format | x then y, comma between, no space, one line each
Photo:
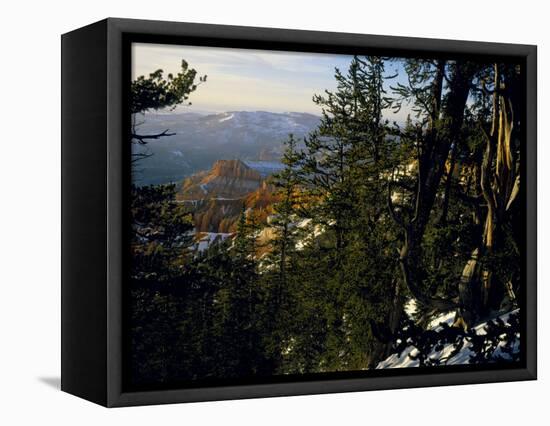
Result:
255,212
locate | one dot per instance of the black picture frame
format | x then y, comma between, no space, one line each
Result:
95,176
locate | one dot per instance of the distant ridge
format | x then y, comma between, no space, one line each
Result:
200,140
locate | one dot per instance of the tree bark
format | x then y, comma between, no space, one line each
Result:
499,183
442,134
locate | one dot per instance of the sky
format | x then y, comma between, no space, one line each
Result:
245,79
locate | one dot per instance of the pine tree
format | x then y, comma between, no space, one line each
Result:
239,298
345,160
286,214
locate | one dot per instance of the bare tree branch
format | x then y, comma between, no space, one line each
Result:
142,139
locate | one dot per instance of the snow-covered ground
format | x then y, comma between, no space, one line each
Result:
462,357
314,232
208,238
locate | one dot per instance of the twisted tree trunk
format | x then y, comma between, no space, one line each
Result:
444,131
499,183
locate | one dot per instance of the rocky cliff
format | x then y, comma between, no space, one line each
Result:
227,179
216,197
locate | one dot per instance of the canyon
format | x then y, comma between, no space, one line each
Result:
217,197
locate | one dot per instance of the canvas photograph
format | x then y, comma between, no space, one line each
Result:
304,215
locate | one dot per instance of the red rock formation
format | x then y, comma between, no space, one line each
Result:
216,197
226,179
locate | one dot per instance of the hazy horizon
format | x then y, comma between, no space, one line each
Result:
247,79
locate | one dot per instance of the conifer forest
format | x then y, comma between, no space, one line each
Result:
380,228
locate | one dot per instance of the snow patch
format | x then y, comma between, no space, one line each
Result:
462,357
210,238
410,308
447,318
229,117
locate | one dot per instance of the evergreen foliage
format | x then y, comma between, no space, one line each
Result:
368,214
